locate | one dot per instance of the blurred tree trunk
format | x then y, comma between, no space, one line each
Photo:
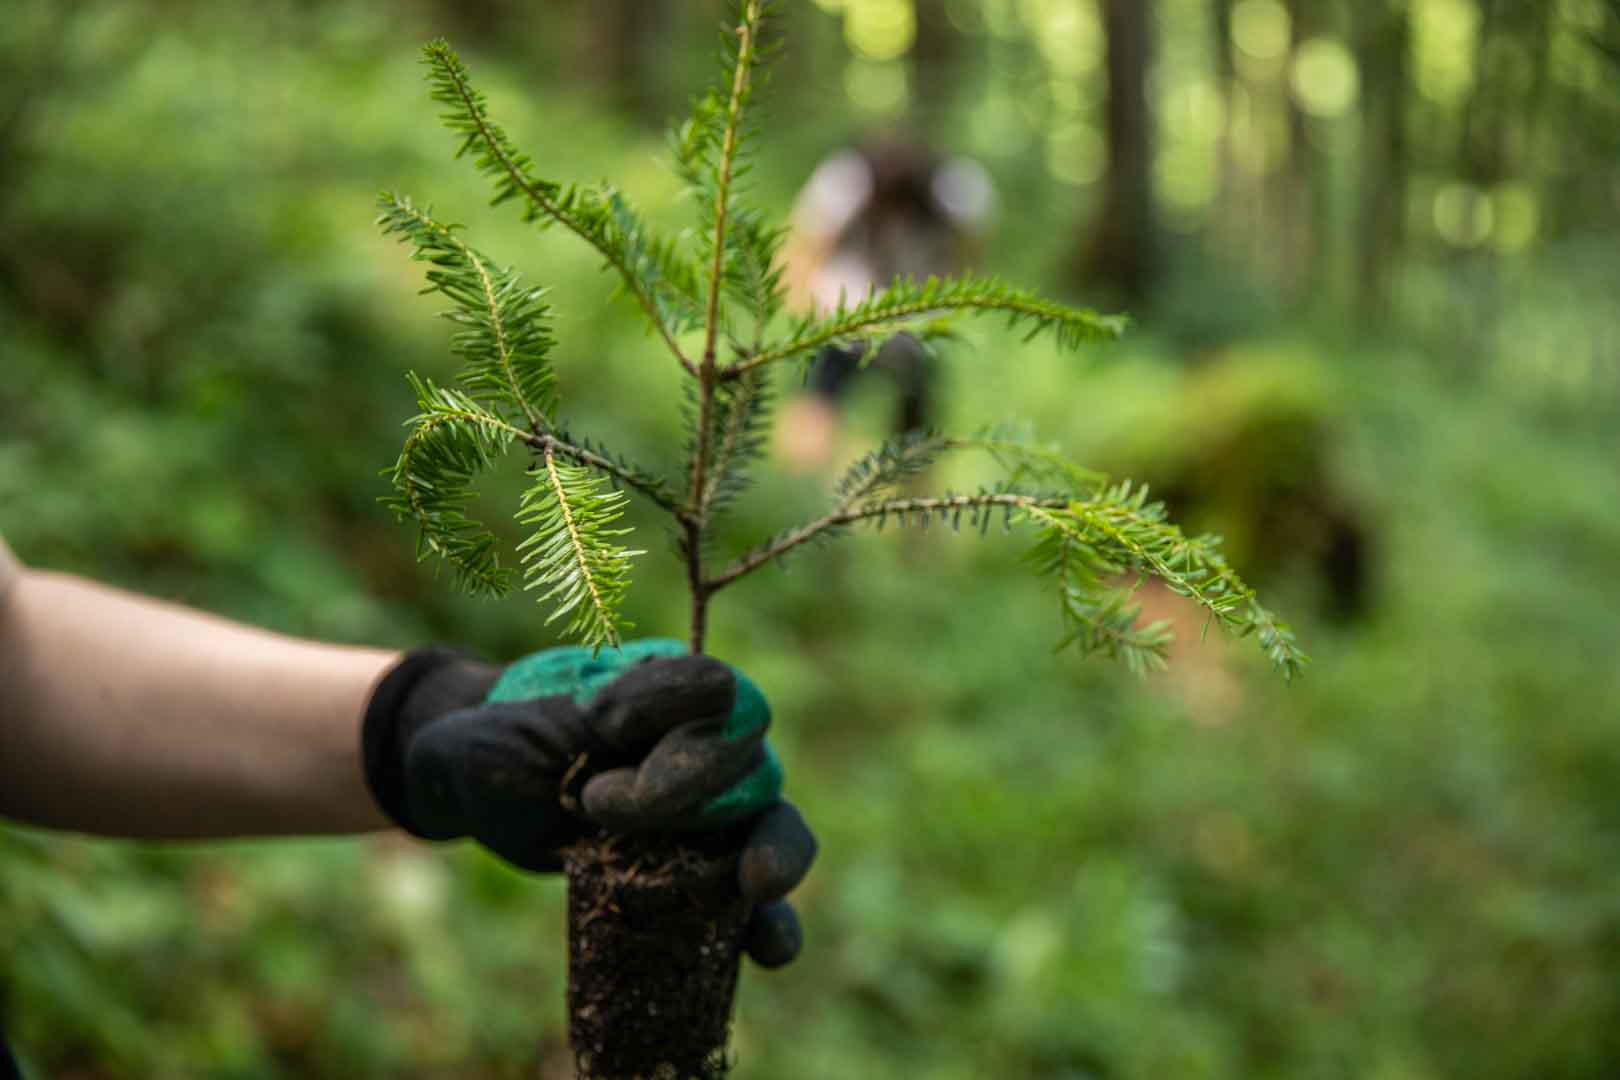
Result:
1117,249
1383,37
1299,195
1225,83
619,54
1482,150
935,69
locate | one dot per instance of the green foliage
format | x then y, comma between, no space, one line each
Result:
741,421
906,304
503,341
1118,530
1026,461
712,155
452,440
904,455
1097,532
649,269
571,554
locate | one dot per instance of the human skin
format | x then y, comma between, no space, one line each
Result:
126,716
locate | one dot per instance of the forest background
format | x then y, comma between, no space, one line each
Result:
1373,252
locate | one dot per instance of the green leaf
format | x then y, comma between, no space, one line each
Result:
573,554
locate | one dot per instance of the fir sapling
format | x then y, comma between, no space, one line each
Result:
714,302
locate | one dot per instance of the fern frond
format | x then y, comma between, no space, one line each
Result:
906,302
452,439
504,338
650,269
572,553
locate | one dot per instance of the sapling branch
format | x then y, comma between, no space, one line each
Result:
471,118
649,486
907,302
845,514
1122,520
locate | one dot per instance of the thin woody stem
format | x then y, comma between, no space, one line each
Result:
652,490
845,514
722,188
708,373
700,589
544,442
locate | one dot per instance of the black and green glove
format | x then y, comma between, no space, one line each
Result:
642,739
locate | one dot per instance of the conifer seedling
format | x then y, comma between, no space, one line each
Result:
715,304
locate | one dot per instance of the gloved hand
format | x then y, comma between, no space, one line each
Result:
640,739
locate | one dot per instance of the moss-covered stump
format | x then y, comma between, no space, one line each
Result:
655,932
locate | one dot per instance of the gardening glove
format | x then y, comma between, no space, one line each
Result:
640,739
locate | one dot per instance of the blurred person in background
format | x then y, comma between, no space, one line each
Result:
124,716
885,209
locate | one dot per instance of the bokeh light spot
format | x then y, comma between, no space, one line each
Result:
880,29
1443,36
881,88
1518,218
1075,154
1068,33
1324,77
1463,215
1260,28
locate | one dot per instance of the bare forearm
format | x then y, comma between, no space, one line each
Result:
124,716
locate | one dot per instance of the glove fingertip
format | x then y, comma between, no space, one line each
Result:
609,799
775,936
778,854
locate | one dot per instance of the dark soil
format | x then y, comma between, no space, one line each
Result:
655,931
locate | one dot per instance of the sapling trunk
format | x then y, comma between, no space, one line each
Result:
655,927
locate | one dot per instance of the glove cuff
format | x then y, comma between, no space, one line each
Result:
425,683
